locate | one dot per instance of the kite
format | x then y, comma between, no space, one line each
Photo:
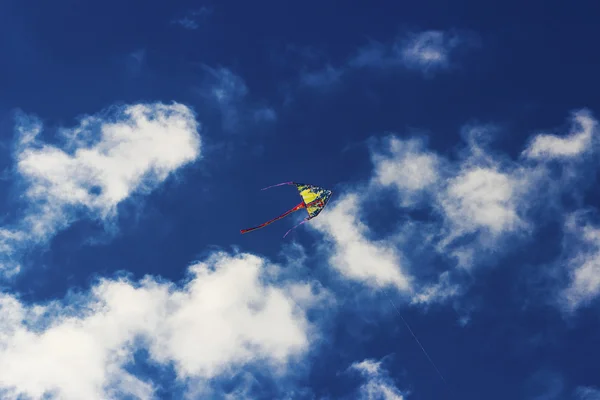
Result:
314,200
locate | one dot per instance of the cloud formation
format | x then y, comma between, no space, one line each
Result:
378,384
427,52
103,161
479,205
582,258
406,166
227,315
352,253
580,141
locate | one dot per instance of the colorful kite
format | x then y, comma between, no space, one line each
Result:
314,200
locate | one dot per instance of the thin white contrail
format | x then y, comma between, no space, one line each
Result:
414,336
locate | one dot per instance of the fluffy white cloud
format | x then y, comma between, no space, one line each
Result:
485,195
476,196
407,167
226,316
103,161
353,254
140,148
378,384
482,197
578,142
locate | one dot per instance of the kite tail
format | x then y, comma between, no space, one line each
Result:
298,207
294,227
279,184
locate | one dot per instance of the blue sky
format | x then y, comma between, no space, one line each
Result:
461,143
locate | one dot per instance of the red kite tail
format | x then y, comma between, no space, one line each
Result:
298,207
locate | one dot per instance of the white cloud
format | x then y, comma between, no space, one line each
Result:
437,292
472,198
480,205
578,142
102,162
379,385
476,196
9,241
408,168
428,50
226,316
139,150
483,198
485,195
353,254
582,262
425,51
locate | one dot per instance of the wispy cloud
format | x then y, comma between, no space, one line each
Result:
230,93
378,385
545,384
229,313
582,258
587,393
265,114
194,18
135,61
102,162
227,90
321,78
424,51
437,292
427,52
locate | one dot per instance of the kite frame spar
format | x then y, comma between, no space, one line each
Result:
314,200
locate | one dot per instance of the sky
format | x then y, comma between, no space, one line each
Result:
458,258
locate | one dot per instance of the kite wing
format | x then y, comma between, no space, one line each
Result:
314,197
314,200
